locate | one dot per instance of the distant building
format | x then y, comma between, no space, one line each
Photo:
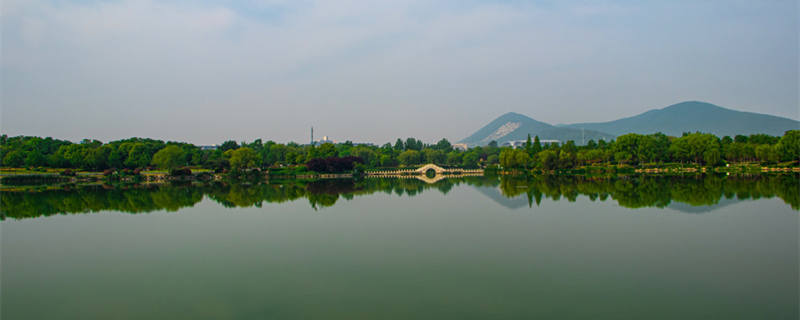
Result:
521,143
544,142
460,146
514,144
369,144
323,141
208,147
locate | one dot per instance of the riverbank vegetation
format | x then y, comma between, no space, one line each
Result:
36,154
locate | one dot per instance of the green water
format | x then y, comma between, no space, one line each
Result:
476,248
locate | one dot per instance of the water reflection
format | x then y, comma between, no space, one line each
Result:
688,194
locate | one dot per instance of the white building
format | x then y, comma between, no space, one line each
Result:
521,143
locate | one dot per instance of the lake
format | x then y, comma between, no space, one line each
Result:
696,247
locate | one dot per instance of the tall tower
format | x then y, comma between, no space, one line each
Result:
312,135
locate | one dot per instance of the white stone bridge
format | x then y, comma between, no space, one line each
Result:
424,169
421,173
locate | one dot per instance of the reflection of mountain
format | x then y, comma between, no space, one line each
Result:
521,201
687,208
687,194
497,196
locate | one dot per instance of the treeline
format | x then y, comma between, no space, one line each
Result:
34,152
631,149
655,149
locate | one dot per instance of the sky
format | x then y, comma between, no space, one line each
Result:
372,71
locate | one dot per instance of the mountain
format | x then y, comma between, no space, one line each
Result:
691,116
514,126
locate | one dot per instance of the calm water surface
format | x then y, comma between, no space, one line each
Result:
482,248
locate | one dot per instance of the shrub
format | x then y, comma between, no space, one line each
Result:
333,164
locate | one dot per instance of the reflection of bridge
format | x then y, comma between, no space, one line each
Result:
421,173
423,170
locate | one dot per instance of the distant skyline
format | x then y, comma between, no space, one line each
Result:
205,71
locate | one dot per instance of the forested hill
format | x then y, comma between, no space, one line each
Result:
514,126
692,116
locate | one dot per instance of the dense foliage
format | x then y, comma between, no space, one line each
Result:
630,149
333,164
654,149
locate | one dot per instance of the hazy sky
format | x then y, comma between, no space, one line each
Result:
203,71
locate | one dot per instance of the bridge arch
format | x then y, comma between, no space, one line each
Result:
431,166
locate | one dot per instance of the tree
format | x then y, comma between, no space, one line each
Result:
14,158
169,157
325,150
409,157
434,156
790,145
566,159
243,158
507,159
521,158
228,145
453,158
138,156
413,144
626,148
470,158
548,159
529,145
35,159
388,161
443,145
537,145
514,158
366,154
767,153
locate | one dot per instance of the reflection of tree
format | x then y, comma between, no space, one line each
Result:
93,199
628,191
655,191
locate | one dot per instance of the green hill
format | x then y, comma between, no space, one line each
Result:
694,116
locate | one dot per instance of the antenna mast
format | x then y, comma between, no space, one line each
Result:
583,139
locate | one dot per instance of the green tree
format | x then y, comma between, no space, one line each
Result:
537,145
14,158
529,145
443,145
454,158
228,145
35,159
548,159
434,156
138,156
169,157
789,146
243,158
410,157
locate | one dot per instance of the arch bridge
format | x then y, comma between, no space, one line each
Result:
420,173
